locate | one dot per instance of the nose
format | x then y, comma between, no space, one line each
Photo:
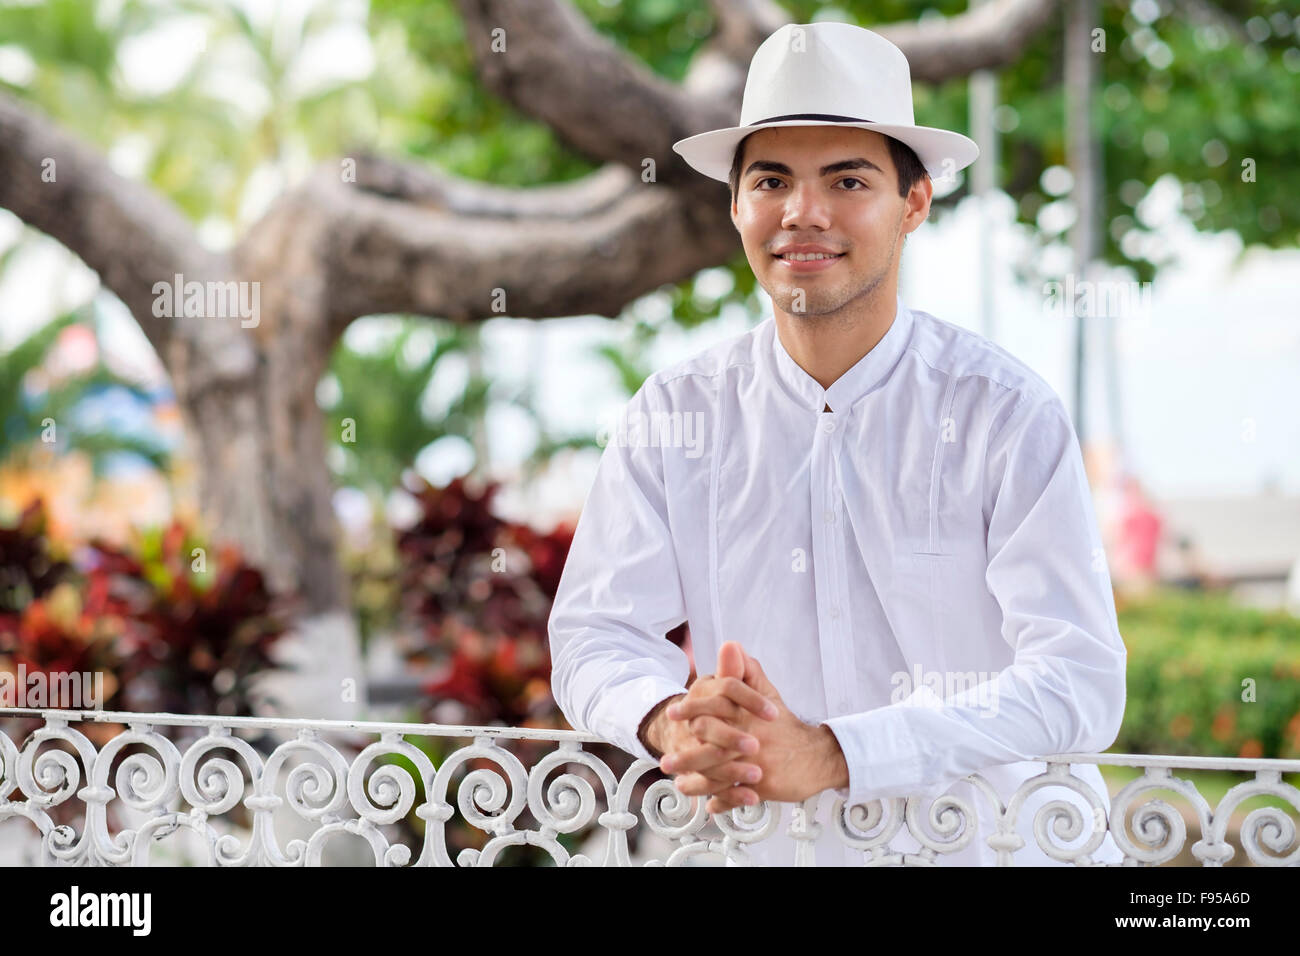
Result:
806,207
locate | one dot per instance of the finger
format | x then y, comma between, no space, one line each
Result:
718,706
746,696
733,772
731,660
732,797
698,785
717,804
711,730
755,678
699,757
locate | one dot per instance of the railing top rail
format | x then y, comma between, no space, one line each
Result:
1180,763
131,718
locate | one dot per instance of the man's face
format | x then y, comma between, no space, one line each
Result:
783,200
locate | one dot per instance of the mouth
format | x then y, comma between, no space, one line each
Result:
819,264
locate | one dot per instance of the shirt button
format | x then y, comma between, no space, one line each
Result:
829,516
835,613
828,427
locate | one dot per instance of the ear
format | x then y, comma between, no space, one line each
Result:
916,207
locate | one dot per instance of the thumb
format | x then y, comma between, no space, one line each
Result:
731,660
756,679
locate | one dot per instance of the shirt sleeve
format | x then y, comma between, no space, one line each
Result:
620,593
1065,689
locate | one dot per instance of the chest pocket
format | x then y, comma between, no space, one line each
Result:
921,609
924,567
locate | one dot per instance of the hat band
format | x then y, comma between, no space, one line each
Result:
826,117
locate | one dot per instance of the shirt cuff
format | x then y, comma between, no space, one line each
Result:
882,752
624,707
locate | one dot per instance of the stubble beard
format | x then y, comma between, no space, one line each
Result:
842,314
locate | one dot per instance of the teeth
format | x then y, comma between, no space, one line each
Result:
801,257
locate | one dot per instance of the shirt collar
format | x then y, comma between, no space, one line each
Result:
845,391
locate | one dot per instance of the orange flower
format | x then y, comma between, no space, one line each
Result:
1224,721
1181,726
1252,748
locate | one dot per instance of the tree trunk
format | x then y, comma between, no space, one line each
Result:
263,479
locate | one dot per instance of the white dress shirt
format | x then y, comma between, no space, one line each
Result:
934,527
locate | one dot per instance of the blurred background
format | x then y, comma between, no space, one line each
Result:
1147,148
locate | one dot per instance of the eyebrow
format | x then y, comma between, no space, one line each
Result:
767,166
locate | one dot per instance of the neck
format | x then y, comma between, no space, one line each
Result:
826,346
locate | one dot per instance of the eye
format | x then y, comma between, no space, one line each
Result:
768,179
854,179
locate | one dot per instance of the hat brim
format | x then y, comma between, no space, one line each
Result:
942,152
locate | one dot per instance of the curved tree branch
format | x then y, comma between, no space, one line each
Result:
556,68
987,37
440,190
469,251
124,230
380,255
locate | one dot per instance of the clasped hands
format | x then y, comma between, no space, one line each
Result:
732,737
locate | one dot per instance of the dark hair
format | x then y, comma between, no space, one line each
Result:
906,163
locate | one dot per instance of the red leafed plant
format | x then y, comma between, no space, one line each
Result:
45,626
169,633
28,568
193,637
477,590
164,631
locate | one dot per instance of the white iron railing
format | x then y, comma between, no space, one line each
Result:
317,779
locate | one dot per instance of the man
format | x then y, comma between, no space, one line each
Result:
888,511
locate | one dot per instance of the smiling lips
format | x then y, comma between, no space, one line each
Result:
821,262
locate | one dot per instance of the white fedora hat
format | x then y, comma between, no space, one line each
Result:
829,74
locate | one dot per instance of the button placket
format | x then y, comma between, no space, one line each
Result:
846,651
827,556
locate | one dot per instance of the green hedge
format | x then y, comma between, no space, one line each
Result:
1189,656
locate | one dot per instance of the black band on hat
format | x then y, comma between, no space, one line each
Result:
826,117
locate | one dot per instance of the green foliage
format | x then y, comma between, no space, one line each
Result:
632,372
60,33
1198,112
23,415
200,146
1192,659
384,393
